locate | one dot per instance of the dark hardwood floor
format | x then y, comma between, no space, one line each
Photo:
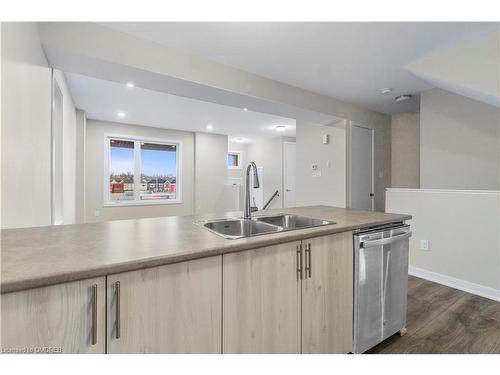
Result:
445,320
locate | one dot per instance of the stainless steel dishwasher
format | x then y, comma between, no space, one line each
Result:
380,284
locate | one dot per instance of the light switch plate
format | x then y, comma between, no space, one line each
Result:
424,245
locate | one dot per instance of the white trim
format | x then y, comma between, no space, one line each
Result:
137,169
55,87
239,153
137,161
446,191
466,286
348,124
148,202
52,148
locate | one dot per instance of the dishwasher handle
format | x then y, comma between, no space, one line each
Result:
385,241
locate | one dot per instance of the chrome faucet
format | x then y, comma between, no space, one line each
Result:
248,207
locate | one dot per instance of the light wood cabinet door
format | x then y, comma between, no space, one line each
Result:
174,308
261,294
327,294
62,318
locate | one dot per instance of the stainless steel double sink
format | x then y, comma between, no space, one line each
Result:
240,228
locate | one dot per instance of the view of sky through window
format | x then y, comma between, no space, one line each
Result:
121,160
158,163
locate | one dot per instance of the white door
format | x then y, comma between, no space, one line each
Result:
289,170
361,167
257,195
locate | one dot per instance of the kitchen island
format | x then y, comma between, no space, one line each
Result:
166,285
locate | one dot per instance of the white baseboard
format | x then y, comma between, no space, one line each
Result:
452,282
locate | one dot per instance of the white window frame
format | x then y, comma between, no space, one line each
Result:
239,153
107,202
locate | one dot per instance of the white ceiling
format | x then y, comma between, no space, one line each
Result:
349,61
102,100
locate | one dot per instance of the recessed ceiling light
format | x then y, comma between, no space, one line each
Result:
210,127
245,109
386,90
402,98
280,128
130,85
240,140
121,114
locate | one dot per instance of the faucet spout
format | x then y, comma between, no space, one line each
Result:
248,208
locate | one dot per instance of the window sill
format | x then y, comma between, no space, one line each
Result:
142,203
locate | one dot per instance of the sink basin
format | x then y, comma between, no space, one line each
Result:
239,228
288,222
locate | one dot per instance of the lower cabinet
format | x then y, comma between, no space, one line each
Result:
62,318
327,294
174,308
261,300
295,297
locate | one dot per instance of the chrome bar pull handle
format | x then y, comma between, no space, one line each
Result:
94,314
308,260
299,262
117,301
385,241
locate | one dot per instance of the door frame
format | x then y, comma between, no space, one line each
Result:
56,145
349,159
283,171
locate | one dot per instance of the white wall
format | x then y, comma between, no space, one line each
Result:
462,228
94,166
459,140
470,69
26,128
68,151
242,148
210,173
330,187
336,178
268,154
405,150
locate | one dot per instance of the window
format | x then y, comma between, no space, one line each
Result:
141,171
234,160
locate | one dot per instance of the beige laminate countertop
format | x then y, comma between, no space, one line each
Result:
35,257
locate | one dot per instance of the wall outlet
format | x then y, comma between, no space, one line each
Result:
424,245
97,213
